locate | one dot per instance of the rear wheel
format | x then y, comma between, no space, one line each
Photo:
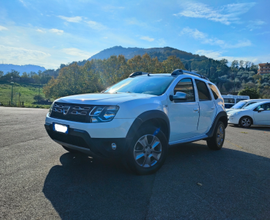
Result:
245,122
216,142
147,150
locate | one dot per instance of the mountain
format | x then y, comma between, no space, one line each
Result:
161,53
21,68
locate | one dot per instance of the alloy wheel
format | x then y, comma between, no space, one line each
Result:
147,151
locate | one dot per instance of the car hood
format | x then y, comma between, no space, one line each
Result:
237,110
103,98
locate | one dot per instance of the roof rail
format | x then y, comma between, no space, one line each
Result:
179,71
138,74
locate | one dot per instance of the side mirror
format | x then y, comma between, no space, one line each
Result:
180,96
261,109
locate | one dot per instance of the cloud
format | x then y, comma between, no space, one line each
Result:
263,33
217,55
203,37
21,55
226,14
95,25
134,21
161,42
112,8
147,38
24,4
56,31
2,28
40,31
75,19
79,54
256,24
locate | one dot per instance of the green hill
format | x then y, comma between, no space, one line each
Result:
21,93
161,53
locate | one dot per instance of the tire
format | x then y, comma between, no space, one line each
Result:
216,142
245,122
70,150
147,151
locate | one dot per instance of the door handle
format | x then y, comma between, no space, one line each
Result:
213,108
195,109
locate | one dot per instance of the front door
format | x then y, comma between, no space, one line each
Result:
184,115
263,117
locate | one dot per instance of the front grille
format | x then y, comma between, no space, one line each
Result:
71,112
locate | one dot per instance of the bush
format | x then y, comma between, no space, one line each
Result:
252,93
39,98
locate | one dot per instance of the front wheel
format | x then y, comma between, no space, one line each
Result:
245,122
216,142
147,151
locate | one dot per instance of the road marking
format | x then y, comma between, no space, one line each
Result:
238,146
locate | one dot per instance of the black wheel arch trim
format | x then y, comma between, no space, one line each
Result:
221,116
147,116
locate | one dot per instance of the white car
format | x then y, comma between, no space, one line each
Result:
244,103
137,119
255,114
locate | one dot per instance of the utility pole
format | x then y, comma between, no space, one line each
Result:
11,98
39,93
234,82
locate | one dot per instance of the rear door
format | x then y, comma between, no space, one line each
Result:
207,107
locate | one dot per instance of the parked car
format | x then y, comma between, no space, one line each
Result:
255,114
242,104
231,100
137,119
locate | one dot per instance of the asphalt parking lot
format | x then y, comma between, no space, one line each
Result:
40,180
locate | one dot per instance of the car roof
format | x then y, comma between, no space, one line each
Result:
257,100
174,76
263,102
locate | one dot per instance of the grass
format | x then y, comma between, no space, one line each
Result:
21,93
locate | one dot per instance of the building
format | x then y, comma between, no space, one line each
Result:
264,68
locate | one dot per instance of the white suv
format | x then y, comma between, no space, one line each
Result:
138,118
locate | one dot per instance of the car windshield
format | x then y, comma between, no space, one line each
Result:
251,106
153,85
239,105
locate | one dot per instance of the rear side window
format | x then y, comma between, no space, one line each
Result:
186,86
203,91
215,91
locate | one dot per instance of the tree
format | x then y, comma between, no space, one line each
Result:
1,73
252,93
38,98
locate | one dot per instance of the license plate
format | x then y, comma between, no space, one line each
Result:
60,128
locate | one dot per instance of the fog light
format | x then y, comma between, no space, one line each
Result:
114,146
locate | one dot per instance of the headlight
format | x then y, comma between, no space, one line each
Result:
103,113
233,114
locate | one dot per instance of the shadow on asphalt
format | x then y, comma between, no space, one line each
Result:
254,127
193,183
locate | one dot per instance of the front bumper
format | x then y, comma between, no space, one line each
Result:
233,120
81,141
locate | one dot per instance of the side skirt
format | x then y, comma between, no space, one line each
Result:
188,140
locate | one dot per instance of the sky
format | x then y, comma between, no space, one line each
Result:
54,32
